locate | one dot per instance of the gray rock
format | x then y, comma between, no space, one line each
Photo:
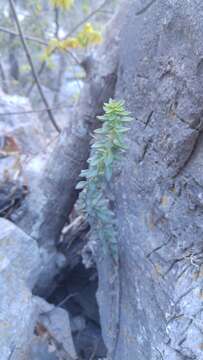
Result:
19,254
78,323
40,350
57,321
19,269
21,137
54,339
26,127
20,311
160,187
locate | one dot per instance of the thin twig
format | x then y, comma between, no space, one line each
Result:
76,27
35,40
43,43
38,41
40,71
4,82
88,17
26,37
56,13
59,79
34,111
27,52
66,299
74,57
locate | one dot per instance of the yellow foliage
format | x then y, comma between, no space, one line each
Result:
62,45
25,68
64,4
88,36
85,6
38,8
70,43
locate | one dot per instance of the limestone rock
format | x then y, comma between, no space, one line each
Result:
21,137
53,337
25,127
19,266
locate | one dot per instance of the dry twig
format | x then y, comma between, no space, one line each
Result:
34,73
88,17
26,37
57,107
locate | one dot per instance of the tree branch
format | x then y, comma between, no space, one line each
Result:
34,73
56,15
59,106
40,71
4,82
26,37
38,41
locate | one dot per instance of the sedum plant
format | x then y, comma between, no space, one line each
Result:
108,144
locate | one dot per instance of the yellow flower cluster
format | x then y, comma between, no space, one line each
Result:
64,4
62,45
88,36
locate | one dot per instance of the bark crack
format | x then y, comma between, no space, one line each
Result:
145,8
159,247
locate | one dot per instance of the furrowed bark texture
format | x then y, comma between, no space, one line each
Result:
49,204
159,186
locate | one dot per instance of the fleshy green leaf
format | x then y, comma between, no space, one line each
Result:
107,146
81,185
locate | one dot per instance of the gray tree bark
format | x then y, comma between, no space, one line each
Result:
159,188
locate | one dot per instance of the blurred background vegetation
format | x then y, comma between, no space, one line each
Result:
59,34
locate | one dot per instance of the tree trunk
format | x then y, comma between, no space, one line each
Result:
159,190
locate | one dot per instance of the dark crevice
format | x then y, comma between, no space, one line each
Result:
76,293
182,168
